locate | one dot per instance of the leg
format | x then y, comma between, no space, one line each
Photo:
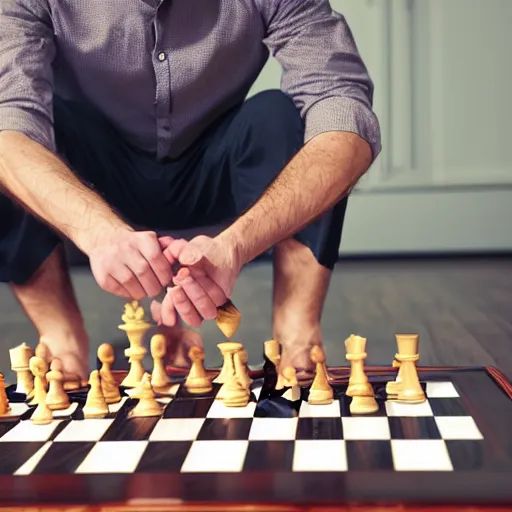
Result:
261,138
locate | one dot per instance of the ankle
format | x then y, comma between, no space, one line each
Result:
297,332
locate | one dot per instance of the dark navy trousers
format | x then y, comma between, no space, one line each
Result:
217,178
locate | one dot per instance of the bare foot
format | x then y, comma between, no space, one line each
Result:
74,357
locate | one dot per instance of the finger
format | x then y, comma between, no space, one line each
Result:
201,301
165,241
176,247
144,274
184,307
128,280
167,311
211,288
110,284
160,266
156,311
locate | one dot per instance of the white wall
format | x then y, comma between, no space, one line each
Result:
443,72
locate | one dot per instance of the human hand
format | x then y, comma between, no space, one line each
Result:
209,269
131,264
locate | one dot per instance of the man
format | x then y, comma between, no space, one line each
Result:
117,123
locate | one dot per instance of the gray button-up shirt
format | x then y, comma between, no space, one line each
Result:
162,70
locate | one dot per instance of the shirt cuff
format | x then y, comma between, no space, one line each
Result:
30,124
342,114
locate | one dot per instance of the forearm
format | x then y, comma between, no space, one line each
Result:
44,185
321,174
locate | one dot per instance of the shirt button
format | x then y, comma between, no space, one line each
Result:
161,56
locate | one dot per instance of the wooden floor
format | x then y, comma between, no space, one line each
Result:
461,308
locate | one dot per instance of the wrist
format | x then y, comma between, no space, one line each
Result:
88,240
229,238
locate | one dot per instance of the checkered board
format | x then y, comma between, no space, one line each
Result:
273,436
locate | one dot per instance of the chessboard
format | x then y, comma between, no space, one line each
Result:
455,448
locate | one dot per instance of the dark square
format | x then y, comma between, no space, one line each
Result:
63,458
407,427
471,455
369,455
269,456
190,408
345,407
276,407
184,394
164,456
14,454
130,429
225,429
448,407
6,425
319,428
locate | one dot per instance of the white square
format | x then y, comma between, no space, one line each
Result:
219,410
420,455
257,392
273,429
113,408
458,427
331,410
17,409
215,457
320,455
408,410
113,457
374,428
177,429
63,413
89,430
26,431
441,390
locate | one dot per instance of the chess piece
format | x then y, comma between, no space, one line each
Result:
4,402
135,327
147,405
42,414
57,398
228,319
287,378
235,394
197,381
241,360
272,351
20,359
40,383
160,381
359,387
227,349
320,392
109,388
393,387
95,404
409,388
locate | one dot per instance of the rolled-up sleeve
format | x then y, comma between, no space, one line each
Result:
322,70
26,80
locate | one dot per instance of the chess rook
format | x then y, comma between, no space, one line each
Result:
20,358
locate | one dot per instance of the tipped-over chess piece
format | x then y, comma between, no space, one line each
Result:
320,392
42,414
20,360
57,398
147,405
228,319
4,402
160,381
197,381
407,386
95,405
109,387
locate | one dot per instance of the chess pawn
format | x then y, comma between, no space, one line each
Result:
20,358
39,365
4,402
287,378
95,405
320,392
410,389
147,405
160,381
44,353
235,394
57,398
109,388
228,319
42,414
197,381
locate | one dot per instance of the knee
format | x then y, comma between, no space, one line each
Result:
275,110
